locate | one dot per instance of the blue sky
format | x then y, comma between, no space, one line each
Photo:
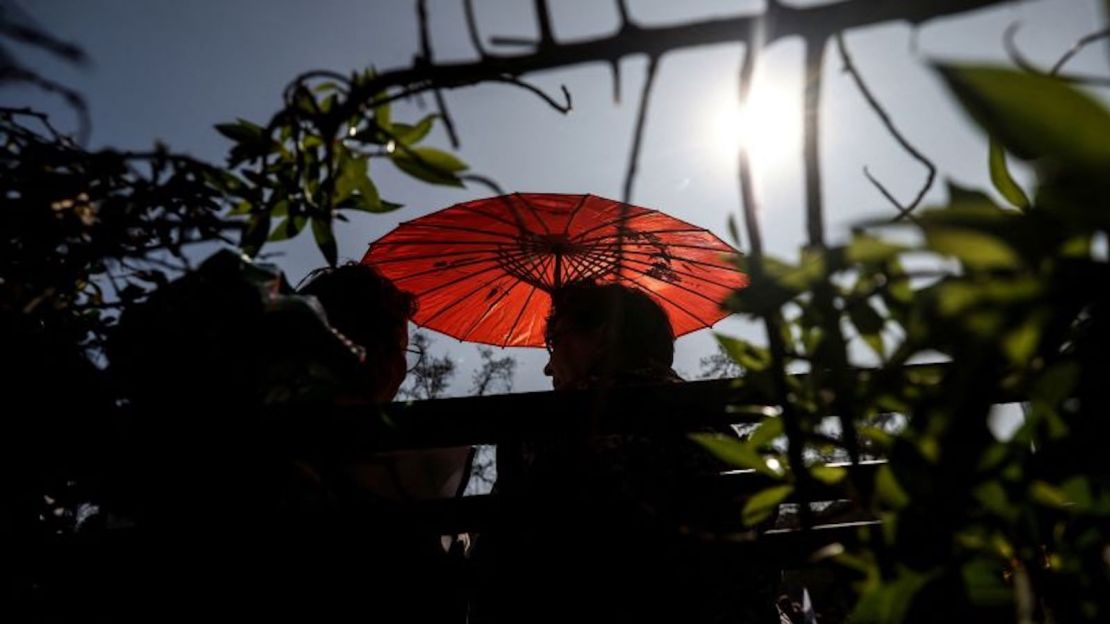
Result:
168,70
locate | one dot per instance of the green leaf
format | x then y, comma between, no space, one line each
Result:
888,488
1003,181
242,131
733,230
994,499
984,583
890,602
809,271
866,248
429,165
877,436
383,116
326,87
763,503
975,249
744,353
812,339
1032,115
1049,495
242,208
368,198
254,236
304,101
288,228
325,239
1078,491
830,475
968,198
1021,342
735,452
764,433
410,135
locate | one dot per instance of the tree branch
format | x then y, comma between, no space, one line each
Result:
563,107
638,131
873,102
747,187
1077,47
472,28
1009,40
819,21
426,57
543,20
811,137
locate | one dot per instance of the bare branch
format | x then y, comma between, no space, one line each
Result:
747,188
519,42
873,102
472,28
448,122
425,38
543,19
1009,39
622,11
563,107
488,182
638,131
904,212
1077,47
615,70
814,21
426,58
15,73
18,25
811,136
42,118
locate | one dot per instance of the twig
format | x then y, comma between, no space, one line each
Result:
42,118
472,28
520,42
825,19
747,187
426,57
622,11
638,131
15,73
485,181
1009,39
772,322
1077,47
563,108
615,70
811,136
903,211
873,102
30,34
543,20
425,38
448,122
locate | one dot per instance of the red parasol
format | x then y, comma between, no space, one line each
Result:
482,270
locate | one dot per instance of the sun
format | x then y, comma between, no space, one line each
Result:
769,126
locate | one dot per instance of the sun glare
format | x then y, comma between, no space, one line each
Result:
769,126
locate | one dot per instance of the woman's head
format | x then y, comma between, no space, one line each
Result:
597,331
368,309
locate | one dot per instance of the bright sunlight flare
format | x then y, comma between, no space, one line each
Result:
769,125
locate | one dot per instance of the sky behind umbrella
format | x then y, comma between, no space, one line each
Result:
168,70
